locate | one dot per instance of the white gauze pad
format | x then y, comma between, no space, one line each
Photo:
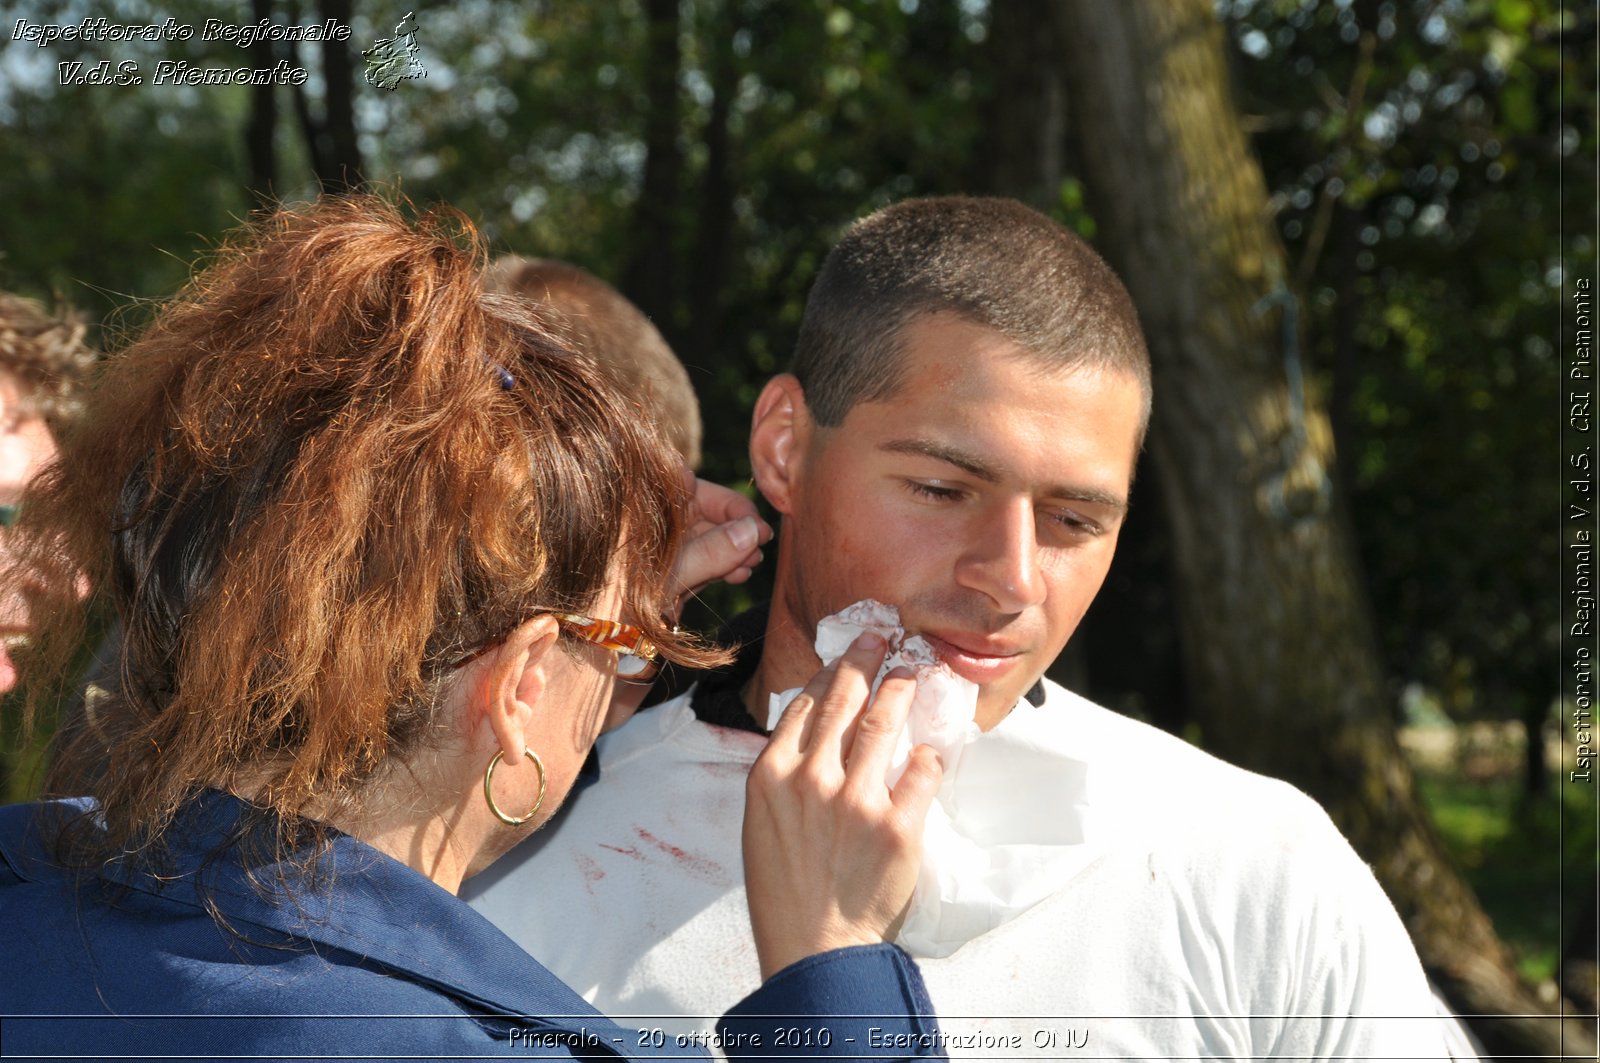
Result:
945,703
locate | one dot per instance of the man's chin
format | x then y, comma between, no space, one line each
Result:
996,700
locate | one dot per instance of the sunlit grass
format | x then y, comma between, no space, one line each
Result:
1527,859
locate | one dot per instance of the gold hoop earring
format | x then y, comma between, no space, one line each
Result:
488,790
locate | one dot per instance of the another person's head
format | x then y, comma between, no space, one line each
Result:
970,391
43,360
601,322
345,503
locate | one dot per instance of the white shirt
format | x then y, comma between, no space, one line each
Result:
1194,910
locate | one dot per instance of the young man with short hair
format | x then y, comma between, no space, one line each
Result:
958,438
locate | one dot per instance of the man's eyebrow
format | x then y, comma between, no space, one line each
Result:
939,452
974,466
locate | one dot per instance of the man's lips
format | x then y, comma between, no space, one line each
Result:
974,657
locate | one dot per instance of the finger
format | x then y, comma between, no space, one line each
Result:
788,737
876,732
713,554
812,694
793,727
846,693
722,504
915,791
691,485
744,572
725,505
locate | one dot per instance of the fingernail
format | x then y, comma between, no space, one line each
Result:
900,671
869,640
743,533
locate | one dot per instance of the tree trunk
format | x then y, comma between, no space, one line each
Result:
1278,646
310,128
1535,773
1346,351
331,142
1024,123
263,122
649,274
714,233
341,154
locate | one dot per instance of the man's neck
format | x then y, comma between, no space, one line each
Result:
788,660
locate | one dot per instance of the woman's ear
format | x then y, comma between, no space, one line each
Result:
780,431
513,680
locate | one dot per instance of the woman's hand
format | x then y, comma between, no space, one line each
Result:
830,852
723,542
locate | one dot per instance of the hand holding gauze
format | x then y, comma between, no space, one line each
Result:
831,853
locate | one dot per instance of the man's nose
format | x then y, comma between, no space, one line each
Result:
1002,560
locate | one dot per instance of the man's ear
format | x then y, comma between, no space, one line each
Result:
780,432
513,681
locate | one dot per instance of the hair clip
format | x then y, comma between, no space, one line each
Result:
507,381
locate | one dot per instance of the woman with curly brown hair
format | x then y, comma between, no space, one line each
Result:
379,548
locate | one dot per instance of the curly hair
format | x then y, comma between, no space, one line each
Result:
46,353
329,466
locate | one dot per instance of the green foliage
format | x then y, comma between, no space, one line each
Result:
1528,861
1426,217
109,190
22,757
1428,143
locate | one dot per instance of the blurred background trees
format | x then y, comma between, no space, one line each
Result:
1409,185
